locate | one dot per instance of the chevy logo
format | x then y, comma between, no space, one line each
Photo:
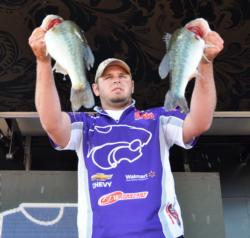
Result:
101,177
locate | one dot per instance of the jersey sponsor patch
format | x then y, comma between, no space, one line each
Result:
111,198
101,185
144,115
99,180
139,177
101,177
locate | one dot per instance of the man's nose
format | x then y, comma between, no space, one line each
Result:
116,80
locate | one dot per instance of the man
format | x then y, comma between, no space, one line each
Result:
125,184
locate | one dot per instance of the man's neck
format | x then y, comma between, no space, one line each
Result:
117,106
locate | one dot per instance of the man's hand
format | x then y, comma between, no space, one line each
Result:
37,44
214,45
213,42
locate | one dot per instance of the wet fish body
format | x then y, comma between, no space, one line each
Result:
67,45
184,52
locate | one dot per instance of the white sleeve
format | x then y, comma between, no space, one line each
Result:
173,131
76,136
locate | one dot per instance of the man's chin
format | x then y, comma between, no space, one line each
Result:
118,100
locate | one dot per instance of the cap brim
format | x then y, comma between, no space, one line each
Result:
111,62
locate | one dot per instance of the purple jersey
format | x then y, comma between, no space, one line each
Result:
125,184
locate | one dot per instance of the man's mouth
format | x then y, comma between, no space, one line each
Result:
116,89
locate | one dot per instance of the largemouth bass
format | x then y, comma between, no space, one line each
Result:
184,51
67,45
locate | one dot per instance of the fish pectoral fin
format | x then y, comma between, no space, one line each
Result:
88,56
164,66
59,69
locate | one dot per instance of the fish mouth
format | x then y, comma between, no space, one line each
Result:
196,30
54,22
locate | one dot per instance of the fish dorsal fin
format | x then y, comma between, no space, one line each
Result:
88,56
59,69
164,66
167,38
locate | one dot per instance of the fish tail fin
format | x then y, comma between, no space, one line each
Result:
82,97
172,101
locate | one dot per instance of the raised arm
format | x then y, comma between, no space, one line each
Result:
203,100
55,122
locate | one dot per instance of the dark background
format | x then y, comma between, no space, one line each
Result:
132,31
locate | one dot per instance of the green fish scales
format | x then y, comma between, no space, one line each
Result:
184,52
68,46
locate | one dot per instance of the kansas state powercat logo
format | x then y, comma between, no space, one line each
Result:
111,151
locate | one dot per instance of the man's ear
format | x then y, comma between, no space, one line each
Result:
95,89
133,86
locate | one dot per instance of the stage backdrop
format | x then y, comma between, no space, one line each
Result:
130,30
33,203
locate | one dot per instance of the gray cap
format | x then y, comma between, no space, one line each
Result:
108,62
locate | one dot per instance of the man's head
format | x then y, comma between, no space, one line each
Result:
113,84
108,62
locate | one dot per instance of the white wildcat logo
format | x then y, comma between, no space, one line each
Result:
108,155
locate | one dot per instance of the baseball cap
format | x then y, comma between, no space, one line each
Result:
108,62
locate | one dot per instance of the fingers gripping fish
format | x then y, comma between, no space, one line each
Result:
67,45
184,51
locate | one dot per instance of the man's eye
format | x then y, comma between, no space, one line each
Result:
107,77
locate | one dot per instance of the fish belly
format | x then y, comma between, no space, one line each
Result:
66,49
185,61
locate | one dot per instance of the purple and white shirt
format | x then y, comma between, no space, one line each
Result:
125,184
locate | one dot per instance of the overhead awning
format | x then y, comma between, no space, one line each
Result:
224,123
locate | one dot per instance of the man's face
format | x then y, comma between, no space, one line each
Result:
114,88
